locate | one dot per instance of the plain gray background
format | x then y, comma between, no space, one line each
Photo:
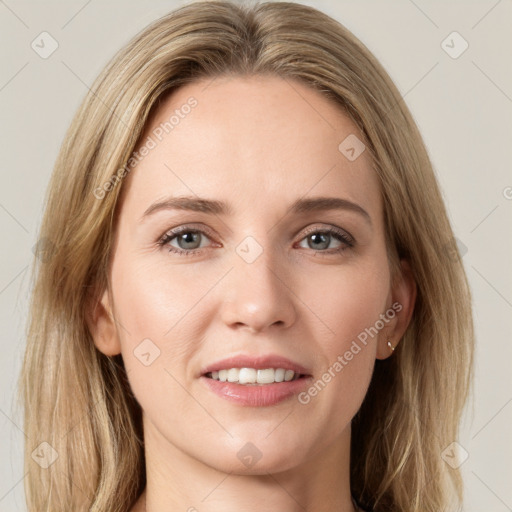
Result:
462,105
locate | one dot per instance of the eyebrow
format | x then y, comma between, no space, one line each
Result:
303,205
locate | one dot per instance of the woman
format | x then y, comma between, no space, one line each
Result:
252,297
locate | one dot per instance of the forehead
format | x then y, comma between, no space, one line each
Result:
248,140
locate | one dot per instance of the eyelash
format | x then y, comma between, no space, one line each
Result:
341,236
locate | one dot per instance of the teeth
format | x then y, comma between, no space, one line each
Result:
279,375
233,375
254,376
247,376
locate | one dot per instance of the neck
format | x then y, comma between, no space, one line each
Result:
178,481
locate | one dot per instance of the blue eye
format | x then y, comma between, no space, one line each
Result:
188,241
185,241
320,240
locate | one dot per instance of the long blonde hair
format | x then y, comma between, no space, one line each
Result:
79,401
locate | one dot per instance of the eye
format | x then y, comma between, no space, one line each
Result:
187,241
184,240
322,240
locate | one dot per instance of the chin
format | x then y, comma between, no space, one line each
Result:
258,456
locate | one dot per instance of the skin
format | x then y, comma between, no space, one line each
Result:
259,144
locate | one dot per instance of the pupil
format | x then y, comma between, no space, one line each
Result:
322,238
189,238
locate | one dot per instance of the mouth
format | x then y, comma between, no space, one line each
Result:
270,391
255,376
256,380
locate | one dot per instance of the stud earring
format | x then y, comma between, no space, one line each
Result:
391,346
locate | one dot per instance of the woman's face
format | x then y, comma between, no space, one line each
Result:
245,266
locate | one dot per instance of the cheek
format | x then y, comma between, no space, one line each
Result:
157,317
347,299
153,300
349,302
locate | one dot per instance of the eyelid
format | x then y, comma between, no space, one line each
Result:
329,229
200,228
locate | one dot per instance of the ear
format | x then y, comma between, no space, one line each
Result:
102,326
401,302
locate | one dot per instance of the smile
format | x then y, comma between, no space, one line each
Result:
253,376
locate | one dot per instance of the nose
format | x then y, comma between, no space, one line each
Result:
258,296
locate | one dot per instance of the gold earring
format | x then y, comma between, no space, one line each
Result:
391,346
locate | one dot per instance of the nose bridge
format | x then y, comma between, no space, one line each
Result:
257,295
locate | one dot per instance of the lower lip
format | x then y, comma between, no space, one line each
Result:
254,395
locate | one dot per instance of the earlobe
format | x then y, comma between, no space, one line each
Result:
102,326
386,346
403,299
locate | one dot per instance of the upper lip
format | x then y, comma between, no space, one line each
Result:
260,362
